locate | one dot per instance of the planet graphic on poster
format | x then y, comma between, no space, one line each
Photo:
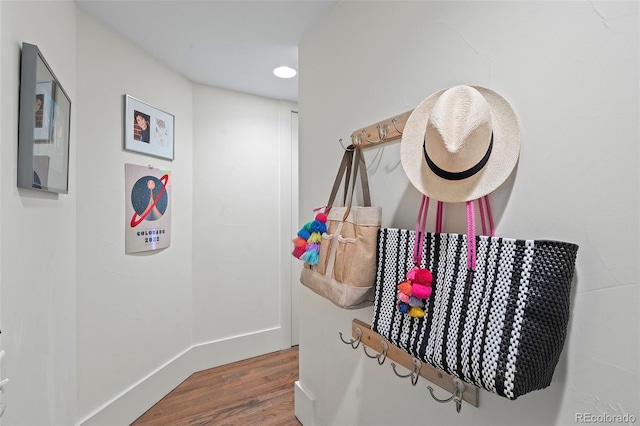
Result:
149,199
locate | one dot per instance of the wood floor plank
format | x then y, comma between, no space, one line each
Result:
254,391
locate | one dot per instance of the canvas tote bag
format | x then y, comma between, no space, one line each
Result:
346,268
498,310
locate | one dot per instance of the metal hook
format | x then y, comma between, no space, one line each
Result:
381,357
343,147
382,133
415,374
351,342
457,396
393,121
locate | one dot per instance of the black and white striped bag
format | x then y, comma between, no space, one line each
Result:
503,330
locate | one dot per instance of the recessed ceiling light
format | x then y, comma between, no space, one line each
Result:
284,72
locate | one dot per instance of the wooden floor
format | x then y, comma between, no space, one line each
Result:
257,391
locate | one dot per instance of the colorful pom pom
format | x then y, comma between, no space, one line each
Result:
304,234
403,297
317,226
420,291
414,301
313,247
405,287
416,312
299,242
411,275
315,237
417,288
307,242
423,276
311,257
298,252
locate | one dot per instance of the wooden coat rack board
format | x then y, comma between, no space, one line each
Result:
381,132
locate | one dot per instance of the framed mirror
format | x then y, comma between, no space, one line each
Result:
44,126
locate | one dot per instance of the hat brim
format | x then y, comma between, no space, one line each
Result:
503,159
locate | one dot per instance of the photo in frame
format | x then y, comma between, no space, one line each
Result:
44,128
44,112
148,130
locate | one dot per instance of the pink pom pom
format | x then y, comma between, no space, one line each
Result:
403,297
321,217
411,275
420,291
424,277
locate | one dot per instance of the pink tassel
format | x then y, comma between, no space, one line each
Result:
298,252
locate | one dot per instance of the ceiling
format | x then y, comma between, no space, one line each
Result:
231,44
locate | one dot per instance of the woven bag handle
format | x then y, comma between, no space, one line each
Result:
471,227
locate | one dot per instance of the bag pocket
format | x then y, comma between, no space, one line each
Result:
325,249
344,259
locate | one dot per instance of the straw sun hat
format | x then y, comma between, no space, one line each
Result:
460,143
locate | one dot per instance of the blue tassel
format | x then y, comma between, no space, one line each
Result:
311,257
304,234
317,226
402,307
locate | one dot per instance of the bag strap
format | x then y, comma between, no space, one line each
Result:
364,178
421,224
471,227
352,162
343,171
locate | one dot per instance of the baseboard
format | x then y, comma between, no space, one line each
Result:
305,405
133,402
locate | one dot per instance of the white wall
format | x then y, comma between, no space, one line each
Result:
241,232
38,244
92,335
570,70
220,293
134,311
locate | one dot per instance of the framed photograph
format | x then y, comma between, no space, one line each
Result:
44,126
44,112
148,130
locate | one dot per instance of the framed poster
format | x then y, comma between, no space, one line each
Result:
148,208
148,130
